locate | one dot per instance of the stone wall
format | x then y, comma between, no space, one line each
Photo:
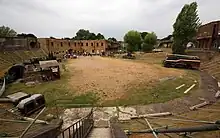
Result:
18,43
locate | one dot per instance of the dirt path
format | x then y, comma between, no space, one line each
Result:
110,78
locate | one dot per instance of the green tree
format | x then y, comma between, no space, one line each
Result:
143,34
100,36
7,32
112,39
92,36
133,40
82,35
26,35
150,41
185,27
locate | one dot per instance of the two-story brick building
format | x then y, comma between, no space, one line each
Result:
208,36
57,46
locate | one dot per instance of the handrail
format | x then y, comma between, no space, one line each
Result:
79,129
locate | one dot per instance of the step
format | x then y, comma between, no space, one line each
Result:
100,133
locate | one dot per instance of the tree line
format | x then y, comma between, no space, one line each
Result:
140,41
81,34
184,31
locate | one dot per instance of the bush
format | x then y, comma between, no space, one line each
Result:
149,41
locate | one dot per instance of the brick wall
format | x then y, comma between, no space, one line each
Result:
61,45
207,29
208,35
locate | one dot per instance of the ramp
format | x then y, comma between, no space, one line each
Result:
100,133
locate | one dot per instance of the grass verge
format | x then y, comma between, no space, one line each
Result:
56,92
160,92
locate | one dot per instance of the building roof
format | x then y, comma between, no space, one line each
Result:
48,63
211,23
169,37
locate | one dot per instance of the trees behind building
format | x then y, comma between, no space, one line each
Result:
112,39
133,40
185,27
83,34
26,35
7,32
143,34
137,41
150,40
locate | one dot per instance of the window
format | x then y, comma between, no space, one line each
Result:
91,44
51,43
97,44
75,43
101,44
69,43
87,44
61,44
81,44
78,43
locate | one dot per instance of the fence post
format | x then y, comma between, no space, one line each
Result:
74,131
69,133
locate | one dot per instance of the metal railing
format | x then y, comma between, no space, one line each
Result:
79,129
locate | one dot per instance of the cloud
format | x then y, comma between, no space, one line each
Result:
113,18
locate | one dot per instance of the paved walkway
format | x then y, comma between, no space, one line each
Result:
100,133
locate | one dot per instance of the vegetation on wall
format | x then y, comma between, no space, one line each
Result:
26,35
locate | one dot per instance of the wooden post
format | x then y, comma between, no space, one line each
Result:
190,88
155,135
25,131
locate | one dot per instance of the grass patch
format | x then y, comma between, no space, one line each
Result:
160,92
84,100
55,91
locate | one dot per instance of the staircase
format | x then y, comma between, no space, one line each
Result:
95,124
100,133
212,67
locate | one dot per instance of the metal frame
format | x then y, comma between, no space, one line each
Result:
79,129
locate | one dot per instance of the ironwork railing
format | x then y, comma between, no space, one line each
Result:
80,129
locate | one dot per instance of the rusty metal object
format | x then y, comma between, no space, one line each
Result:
182,61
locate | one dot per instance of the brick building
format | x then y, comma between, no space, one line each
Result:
60,46
208,36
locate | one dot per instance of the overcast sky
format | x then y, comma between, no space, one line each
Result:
113,18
